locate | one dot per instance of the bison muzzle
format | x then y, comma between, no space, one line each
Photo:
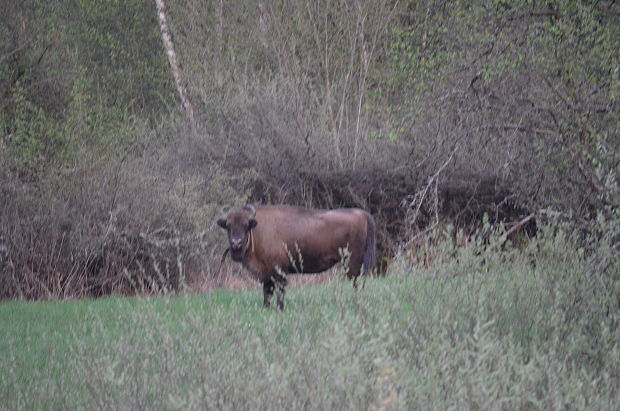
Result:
273,241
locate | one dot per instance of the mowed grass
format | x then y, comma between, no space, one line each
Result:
477,329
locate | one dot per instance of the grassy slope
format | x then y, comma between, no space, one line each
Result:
475,330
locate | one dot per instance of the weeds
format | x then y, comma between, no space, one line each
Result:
484,330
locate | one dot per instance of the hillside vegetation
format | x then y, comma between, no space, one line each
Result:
429,114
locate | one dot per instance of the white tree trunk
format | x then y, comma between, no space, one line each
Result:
174,65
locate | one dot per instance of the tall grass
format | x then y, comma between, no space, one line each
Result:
479,328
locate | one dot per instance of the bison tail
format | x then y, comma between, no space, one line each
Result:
370,247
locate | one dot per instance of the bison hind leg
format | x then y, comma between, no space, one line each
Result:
355,281
355,268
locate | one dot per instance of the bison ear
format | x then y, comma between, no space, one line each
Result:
252,223
222,222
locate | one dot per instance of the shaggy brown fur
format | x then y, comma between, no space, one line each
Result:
273,241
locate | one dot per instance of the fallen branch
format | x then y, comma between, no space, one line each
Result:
518,225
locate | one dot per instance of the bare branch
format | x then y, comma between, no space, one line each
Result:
519,225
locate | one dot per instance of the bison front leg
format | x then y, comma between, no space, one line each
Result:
268,287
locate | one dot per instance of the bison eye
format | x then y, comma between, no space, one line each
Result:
223,223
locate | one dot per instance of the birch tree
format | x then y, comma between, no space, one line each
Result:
174,64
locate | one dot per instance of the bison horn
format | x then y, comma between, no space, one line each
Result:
224,209
251,209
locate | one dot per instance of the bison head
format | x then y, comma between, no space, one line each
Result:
239,225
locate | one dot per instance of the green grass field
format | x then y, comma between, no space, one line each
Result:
478,329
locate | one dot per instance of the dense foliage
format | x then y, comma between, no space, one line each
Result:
423,112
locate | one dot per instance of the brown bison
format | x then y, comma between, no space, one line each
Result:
272,241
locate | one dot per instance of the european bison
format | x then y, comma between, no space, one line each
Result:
272,241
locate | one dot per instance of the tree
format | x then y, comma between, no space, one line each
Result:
174,64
